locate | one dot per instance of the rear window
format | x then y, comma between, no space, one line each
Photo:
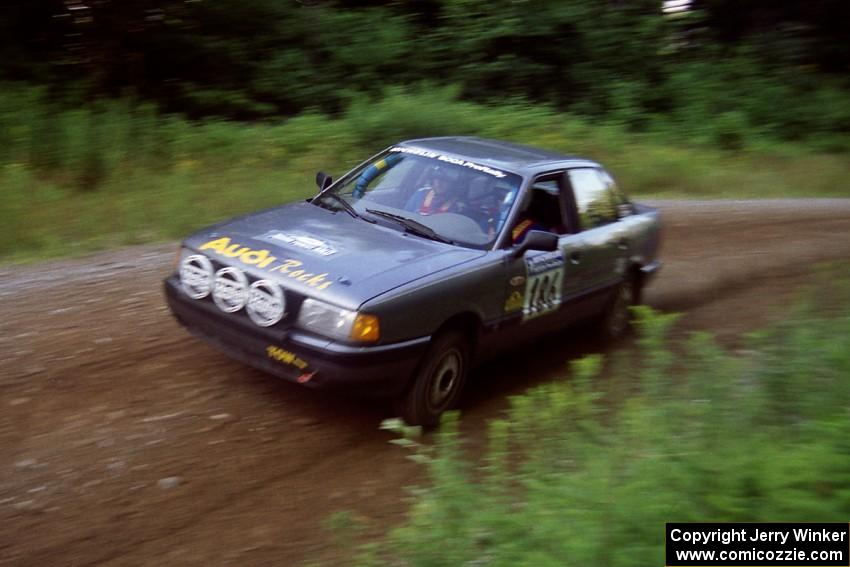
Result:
596,195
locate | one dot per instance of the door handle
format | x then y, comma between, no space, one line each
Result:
623,244
575,257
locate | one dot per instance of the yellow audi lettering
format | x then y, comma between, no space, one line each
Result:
218,245
264,259
261,258
235,251
224,247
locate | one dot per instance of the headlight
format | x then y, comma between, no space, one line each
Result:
338,323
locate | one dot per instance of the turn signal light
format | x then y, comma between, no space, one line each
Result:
365,328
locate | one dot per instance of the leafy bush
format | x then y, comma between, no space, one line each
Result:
585,472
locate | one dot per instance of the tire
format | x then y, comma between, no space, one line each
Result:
616,320
438,380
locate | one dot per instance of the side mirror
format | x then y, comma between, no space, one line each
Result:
537,240
323,180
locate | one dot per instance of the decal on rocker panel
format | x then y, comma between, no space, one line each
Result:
543,285
264,259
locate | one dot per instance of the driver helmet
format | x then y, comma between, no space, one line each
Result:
442,179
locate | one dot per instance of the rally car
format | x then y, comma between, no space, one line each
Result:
431,256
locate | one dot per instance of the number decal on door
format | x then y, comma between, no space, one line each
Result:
543,285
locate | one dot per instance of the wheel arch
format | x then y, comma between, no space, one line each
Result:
468,324
635,272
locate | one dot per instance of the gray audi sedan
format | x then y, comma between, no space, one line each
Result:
422,261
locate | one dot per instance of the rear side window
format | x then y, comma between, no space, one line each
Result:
596,195
616,193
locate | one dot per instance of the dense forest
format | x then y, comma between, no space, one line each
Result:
780,68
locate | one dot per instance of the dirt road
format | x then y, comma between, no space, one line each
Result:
124,441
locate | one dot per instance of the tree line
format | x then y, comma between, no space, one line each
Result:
627,60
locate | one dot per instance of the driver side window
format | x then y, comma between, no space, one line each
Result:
541,209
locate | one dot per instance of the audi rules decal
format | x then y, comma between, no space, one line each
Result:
264,259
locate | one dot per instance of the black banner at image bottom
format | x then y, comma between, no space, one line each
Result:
757,545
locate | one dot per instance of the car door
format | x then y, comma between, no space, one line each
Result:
597,243
538,282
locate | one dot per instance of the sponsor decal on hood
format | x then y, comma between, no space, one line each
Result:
288,267
301,241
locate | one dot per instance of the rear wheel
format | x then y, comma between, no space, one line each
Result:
438,381
617,317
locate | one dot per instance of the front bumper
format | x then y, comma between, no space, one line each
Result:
298,356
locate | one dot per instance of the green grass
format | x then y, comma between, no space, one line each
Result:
586,470
73,181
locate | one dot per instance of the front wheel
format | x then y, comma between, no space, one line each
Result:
437,382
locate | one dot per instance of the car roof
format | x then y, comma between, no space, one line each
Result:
498,153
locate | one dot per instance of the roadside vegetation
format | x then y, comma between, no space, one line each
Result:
587,470
116,173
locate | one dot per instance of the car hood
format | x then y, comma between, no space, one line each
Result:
325,254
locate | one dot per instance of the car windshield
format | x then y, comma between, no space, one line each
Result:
457,200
